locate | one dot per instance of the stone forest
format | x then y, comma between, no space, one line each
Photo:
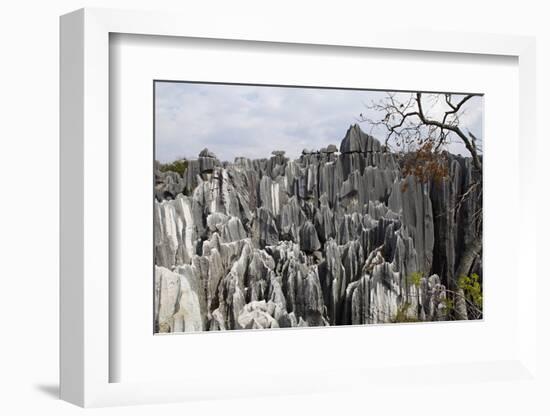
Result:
338,236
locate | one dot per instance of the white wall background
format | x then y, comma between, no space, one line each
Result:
29,115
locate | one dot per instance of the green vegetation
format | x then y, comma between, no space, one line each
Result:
402,314
472,294
449,305
415,279
179,166
472,288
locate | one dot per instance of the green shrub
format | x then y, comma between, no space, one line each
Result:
402,314
415,279
178,166
472,288
449,305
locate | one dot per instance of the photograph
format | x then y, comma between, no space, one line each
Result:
282,206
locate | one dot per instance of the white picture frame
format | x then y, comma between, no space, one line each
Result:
85,353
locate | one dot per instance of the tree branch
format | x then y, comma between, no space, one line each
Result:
470,145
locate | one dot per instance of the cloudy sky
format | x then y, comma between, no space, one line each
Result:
252,121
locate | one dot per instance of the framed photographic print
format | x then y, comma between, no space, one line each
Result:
292,208
275,226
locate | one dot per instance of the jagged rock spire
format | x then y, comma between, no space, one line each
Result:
357,141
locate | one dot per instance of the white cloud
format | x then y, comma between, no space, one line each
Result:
251,121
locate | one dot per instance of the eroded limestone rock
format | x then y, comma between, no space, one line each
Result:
330,238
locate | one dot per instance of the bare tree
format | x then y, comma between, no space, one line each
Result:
421,139
408,124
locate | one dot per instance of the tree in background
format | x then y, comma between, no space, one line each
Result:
422,137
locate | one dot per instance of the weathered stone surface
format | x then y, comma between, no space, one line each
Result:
175,236
354,141
258,315
454,225
207,161
177,302
168,185
309,241
233,230
411,199
267,231
292,219
329,238
207,153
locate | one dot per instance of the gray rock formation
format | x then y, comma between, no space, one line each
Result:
177,306
330,238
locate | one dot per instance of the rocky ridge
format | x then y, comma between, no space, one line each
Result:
331,238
